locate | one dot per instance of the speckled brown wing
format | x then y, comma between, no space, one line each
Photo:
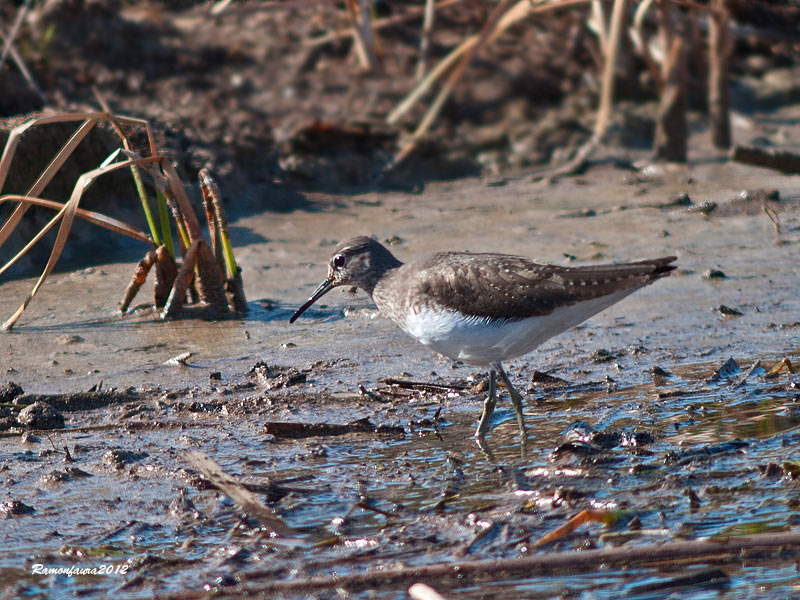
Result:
498,286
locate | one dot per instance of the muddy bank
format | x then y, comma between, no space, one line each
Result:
636,426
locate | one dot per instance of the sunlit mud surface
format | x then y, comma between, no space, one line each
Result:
650,425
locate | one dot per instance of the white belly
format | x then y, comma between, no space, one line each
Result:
479,342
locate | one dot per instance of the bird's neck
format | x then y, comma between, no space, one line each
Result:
383,268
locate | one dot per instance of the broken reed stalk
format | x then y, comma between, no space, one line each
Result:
672,130
519,11
135,173
502,17
208,188
219,219
364,41
640,42
720,42
613,40
218,225
607,93
488,32
783,161
425,39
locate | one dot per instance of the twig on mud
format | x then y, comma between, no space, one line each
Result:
179,360
783,161
688,552
237,492
585,516
303,430
423,386
362,389
67,456
128,426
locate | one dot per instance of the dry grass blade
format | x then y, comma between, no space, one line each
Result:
14,31
67,216
46,176
640,42
519,11
606,95
358,11
237,492
425,41
42,232
412,13
23,68
223,7
91,216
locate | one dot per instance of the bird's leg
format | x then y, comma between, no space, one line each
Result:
516,399
488,405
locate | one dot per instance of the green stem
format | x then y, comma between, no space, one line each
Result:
163,216
148,213
230,260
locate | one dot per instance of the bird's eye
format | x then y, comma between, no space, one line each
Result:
338,261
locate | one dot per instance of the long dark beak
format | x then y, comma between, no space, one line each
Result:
324,287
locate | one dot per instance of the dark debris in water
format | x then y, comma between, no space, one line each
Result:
276,377
303,430
15,508
728,369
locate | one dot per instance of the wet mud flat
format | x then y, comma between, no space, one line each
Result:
390,481
670,422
